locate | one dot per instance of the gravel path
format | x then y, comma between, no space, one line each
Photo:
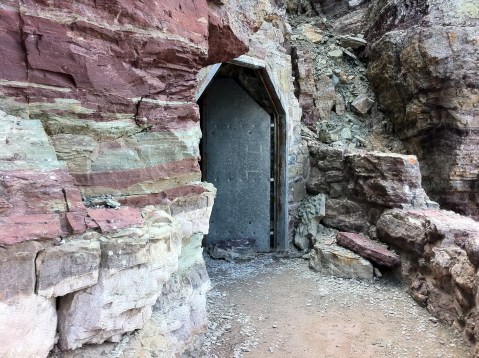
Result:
280,308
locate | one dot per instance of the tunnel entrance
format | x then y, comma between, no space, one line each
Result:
242,154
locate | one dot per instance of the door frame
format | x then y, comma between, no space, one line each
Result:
280,202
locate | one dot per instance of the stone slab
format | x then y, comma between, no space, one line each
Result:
368,249
116,219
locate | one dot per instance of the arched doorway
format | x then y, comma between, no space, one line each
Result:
243,155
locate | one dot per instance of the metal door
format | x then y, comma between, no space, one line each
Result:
237,155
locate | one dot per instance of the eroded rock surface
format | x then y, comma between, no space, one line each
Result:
422,64
439,253
29,317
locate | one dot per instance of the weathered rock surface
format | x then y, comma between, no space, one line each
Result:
386,179
27,326
335,260
17,269
310,213
439,259
360,185
422,65
345,215
67,268
134,266
179,315
34,186
405,231
368,249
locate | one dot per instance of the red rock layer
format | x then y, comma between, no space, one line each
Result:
75,65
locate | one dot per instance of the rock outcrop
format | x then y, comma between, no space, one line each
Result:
100,183
422,65
360,185
440,255
350,190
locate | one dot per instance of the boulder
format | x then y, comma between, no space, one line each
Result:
404,231
327,158
362,104
353,42
335,260
369,249
387,179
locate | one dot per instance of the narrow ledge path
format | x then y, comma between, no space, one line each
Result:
273,307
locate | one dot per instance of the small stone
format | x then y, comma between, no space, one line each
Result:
346,133
361,139
112,203
362,104
352,42
312,34
350,54
335,53
433,319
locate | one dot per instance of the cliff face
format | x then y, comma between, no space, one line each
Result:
102,209
423,66
113,85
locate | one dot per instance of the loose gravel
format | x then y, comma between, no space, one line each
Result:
274,307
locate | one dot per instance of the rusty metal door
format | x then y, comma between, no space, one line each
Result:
237,155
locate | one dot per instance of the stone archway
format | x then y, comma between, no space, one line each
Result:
244,155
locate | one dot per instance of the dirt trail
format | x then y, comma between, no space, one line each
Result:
279,308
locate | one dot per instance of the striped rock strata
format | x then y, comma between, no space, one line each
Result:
98,98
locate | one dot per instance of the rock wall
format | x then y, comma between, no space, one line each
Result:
377,203
102,208
439,251
422,65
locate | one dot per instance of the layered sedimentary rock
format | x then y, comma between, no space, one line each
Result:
360,185
98,120
440,254
104,284
423,67
350,190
